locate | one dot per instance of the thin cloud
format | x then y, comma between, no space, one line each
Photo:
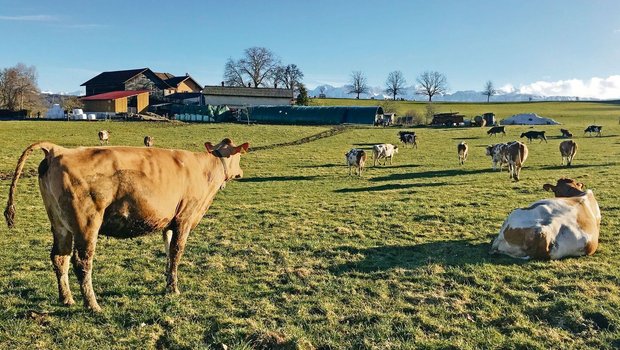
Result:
616,31
83,26
30,18
602,88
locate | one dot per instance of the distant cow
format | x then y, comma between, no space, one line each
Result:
383,151
553,228
462,152
568,149
534,135
566,134
148,141
512,153
104,137
356,158
124,192
496,130
408,137
593,129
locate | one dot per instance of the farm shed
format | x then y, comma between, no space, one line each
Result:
448,119
315,115
117,102
246,96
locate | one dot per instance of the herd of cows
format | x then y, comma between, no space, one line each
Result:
131,191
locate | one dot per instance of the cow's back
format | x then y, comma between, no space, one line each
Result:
137,190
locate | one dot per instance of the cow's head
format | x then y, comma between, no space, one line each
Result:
230,156
522,135
395,149
565,188
490,149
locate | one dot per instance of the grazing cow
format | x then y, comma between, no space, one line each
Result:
534,135
462,152
408,137
104,137
496,130
512,153
593,128
148,141
124,192
383,151
568,149
553,228
357,158
566,134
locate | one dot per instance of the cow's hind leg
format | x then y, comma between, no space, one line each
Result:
177,247
83,254
61,252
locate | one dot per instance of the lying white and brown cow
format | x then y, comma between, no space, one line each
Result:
104,137
462,149
568,149
553,228
356,158
512,153
124,192
383,151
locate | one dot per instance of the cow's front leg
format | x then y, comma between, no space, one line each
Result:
60,254
83,254
177,247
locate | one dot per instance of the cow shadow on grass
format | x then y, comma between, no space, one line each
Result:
411,257
430,174
277,178
388,187
467,138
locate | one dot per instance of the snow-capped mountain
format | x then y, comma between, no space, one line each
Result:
458,96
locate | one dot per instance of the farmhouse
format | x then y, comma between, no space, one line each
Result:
246,96
315,115
117,102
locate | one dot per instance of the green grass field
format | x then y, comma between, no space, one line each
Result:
300,255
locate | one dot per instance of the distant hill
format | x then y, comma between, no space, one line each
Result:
457,96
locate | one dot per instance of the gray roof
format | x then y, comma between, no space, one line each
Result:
247,91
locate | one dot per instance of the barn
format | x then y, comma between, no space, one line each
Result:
117,102
315,114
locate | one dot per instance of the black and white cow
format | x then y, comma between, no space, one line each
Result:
408,137
496,130
593,129
534,135
383,151
356,158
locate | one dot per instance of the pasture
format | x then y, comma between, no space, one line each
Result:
298,254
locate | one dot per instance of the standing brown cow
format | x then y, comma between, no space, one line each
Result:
124,192
462,152
568,149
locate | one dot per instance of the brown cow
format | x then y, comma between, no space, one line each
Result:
104,137
513,153
124,192
148,141
568,149
462,152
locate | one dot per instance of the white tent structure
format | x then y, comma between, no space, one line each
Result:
527,119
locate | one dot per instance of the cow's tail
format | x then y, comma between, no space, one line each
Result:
9,211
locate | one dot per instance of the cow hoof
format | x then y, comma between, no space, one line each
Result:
68,302
95,308
172,290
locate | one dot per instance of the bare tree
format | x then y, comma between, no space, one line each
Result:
489,90
18,88
322,89
358,84
395,83
257,66
290,76
431,83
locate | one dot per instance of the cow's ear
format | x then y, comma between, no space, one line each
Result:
580,185
209,147
240,149
548,187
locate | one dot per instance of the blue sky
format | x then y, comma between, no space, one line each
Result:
545,45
